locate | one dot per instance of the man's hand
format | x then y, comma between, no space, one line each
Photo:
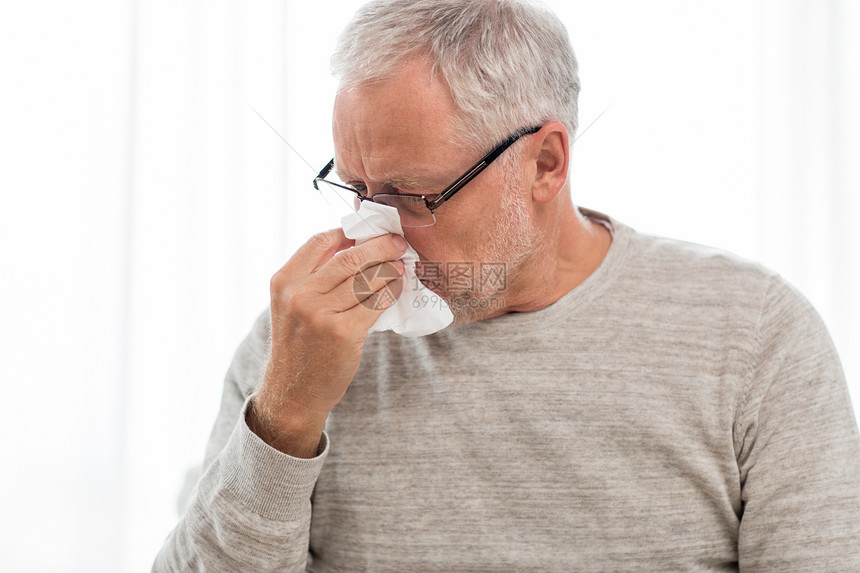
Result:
319,324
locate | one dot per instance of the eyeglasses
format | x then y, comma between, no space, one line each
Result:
416,210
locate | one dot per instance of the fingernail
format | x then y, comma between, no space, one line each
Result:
400,242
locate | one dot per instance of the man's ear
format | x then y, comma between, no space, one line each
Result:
549,148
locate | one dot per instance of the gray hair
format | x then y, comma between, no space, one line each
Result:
508,63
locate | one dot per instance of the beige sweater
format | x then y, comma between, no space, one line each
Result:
681,410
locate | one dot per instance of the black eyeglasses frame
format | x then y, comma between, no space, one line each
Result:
448,192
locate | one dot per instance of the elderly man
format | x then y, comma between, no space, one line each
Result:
615,401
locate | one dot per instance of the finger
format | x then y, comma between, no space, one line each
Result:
367,282
359,315
383,298
347,263
367,310
317,251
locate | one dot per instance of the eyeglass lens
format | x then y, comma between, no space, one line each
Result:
412,209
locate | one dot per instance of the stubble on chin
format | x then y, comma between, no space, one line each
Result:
495,271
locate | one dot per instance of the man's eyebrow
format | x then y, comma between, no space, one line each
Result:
401,181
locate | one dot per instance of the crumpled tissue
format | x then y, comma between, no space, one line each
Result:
418,311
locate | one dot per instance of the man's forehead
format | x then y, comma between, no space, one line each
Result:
387,133
413,100
380,120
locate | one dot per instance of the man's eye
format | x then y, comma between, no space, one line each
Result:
361,189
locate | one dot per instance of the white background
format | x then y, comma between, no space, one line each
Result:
144,206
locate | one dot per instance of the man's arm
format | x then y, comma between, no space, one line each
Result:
251,509
799,452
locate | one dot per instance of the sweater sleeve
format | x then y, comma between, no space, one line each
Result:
251,509
798,447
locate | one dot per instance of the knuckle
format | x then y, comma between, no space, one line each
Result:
278,283
351,259
286,294
296,301
296,308
322,241
395,246
284,285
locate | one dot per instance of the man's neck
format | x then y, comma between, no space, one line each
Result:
575,247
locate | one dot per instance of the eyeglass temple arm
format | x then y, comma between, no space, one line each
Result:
477,168
324,173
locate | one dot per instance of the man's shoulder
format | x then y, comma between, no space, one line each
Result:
705,271
673,253
703,278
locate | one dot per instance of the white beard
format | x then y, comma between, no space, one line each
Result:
514,240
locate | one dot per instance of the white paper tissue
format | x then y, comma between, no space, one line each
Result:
418,311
